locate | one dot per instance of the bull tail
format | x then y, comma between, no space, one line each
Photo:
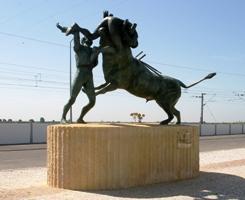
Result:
209,76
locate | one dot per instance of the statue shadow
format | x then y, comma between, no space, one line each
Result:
207,185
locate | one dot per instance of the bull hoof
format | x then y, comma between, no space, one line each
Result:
64,121
81,121
165,122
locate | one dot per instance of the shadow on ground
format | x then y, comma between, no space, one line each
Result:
207,185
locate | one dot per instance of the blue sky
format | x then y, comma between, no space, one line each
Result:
184,39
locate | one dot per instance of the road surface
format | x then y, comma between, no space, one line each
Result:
26,156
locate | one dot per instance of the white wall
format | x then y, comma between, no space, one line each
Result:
208,129
236,128
15,133
24,133
39,131
222,129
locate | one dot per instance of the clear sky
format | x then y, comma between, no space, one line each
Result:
184,39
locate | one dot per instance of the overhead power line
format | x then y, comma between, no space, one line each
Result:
211,113
32,67
31,73
33,39
33,86
197,69
33,80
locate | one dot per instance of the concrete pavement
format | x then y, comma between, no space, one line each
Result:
22,156
26,156
222,164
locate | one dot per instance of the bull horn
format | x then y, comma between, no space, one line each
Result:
134,25
105,13
125,22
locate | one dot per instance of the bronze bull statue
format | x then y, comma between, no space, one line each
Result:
123,71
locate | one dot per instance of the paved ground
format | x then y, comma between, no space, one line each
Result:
22,156
217,143
222,161
26,156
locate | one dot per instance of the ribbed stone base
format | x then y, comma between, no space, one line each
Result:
107,156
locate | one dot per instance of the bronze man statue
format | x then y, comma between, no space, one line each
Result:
86,59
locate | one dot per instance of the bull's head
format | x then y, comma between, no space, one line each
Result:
134,34
133,28
131,38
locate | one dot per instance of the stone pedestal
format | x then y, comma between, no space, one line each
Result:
107,156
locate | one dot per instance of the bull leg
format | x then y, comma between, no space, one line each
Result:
177,115
96,88
107,88
101,86
168,110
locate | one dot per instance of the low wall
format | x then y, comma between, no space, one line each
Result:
39,131
27,133
221,129
96,156
23,133
15,133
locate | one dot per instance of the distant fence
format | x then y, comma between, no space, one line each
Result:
35,132
23,133
222,129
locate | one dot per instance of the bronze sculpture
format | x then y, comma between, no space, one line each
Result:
123,71
86,60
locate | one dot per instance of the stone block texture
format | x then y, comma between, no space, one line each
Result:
110,156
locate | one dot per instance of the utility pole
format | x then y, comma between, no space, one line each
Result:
202,105
70,79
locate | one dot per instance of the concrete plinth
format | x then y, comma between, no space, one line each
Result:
107,156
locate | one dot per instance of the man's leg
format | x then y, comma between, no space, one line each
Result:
86,32
89,88
76,28
77,85
63,29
